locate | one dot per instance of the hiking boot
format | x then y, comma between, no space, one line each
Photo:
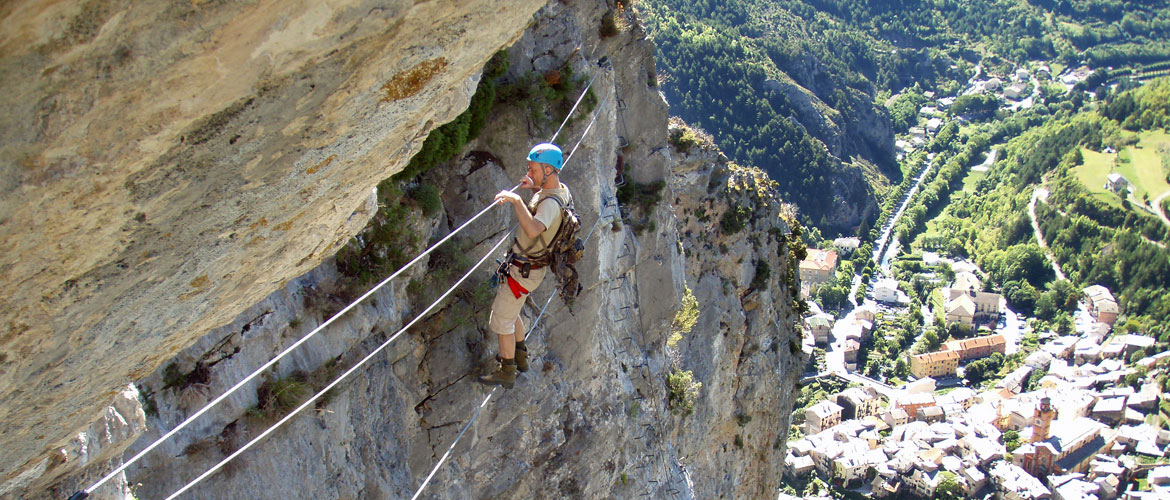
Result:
521,356
505,375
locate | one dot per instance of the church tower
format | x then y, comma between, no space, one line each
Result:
1043,420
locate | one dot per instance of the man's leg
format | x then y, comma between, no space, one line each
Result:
518,330
505,310
521,349
512,346
507,346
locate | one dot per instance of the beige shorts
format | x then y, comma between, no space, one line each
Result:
506,307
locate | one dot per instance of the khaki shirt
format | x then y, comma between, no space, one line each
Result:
548,212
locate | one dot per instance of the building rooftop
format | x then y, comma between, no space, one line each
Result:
1067,433
1109,405
1076,489
801,464
824,409
1130,339
851,242
937,356
1097,294
1159,475
962,305
971,343
931,411
1083,453
966,280
1011,477
886,283
858,395
983,449
820,320
821,260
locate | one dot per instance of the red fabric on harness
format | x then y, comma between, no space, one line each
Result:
517,290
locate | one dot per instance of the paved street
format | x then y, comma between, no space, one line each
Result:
1013,329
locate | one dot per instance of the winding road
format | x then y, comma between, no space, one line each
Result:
1158,208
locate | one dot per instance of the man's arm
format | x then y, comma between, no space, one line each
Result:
531,227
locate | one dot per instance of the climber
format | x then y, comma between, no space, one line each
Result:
539,221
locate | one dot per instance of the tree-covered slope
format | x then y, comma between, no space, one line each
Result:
813,90
1095,238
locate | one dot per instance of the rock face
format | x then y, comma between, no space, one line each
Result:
596,416
863,135
741,244
163,165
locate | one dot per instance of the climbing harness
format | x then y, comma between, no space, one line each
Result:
603,62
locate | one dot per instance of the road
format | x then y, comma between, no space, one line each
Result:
1013,329
880,246
835,363
884,389
1042,193
986,165
1158,208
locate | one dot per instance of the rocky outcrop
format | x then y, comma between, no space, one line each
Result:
741,243
597,416
166,164
862,136
820,120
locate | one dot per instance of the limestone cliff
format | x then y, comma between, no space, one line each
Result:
596,416
164,165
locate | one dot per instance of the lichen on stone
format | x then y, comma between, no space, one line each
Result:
410,82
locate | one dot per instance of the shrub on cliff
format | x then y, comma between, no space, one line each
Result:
684,319
681,391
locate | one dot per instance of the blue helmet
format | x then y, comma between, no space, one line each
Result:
547,153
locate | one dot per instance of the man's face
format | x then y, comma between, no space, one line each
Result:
536,172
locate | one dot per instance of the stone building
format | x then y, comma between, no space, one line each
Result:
1068,447
978,347
859,402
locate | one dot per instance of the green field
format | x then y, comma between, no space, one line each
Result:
1140,163
1056,68
971,180
1145,163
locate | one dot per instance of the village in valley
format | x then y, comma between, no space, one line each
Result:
951,393
1075,415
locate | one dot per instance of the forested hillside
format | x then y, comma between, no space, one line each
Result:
1096,237
812,91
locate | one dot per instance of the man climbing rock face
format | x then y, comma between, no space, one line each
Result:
525,266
